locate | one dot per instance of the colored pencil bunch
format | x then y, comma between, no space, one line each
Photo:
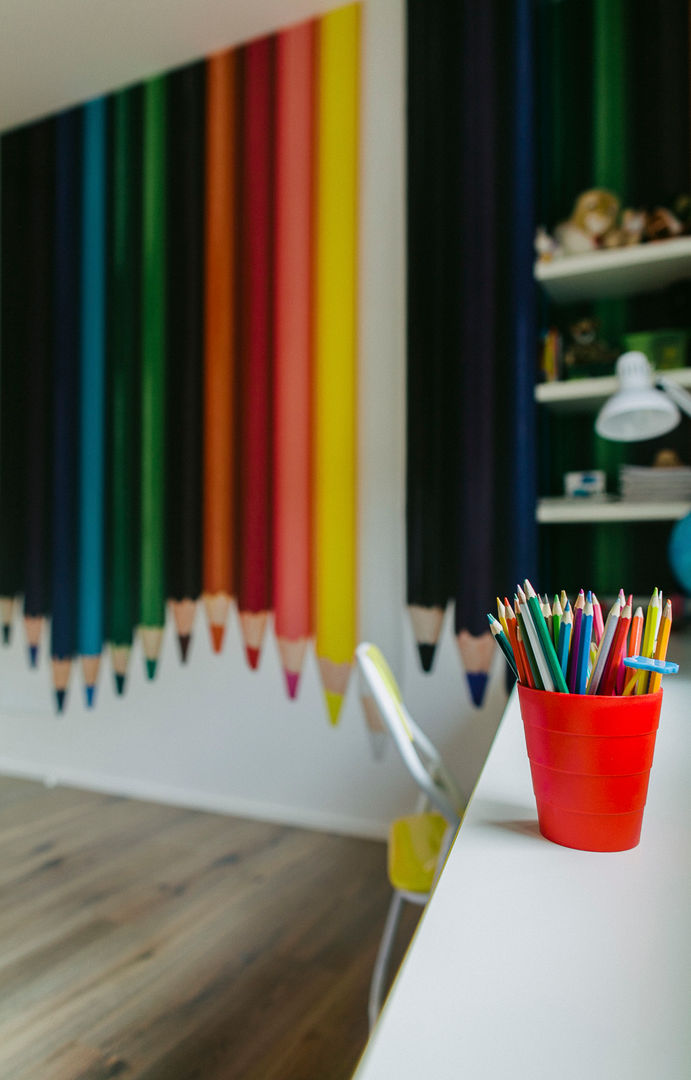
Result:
572,649
179,309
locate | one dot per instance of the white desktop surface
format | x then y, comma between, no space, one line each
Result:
541,962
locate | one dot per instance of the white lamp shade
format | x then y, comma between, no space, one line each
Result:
637,411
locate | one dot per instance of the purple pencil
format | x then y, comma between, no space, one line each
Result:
575,640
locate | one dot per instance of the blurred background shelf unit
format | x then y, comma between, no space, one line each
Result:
654,282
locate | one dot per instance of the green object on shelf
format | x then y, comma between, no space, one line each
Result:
665,349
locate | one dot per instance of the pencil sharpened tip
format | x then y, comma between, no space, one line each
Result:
426,653
477,683
60,699
292,680
6,633
33,656
252,655
119,684
151,666
217,634
90,696
184,644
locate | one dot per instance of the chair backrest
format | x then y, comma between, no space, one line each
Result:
419,754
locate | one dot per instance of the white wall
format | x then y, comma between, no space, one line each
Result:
218,736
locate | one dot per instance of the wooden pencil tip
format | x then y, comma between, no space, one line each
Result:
477,683
184,644
90,692
6,633
120,683
33,656
151,668
252,654
333,702
426,653
217,632
60,698
292,682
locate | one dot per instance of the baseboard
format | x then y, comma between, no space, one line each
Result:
194,799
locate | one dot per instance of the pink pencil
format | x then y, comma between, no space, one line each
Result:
598,621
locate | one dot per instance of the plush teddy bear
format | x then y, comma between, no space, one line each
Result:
594,215
587,354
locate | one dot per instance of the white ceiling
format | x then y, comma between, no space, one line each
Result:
55,53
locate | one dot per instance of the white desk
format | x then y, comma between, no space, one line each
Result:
538,962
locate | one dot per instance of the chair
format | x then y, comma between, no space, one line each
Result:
418,843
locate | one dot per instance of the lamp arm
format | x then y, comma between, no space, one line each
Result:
678,394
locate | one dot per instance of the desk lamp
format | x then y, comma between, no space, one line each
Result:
639,410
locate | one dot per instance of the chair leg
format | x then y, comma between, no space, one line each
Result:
381,965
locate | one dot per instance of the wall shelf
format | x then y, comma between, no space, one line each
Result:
584,395
616,272
561,511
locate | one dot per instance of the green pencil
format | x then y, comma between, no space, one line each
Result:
527,645
503,642
545,640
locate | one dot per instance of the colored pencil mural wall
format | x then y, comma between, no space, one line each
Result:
178,362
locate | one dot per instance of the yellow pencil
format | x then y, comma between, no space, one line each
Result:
501,611
661,646
649,634
335,354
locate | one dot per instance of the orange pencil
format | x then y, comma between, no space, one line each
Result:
634,647
219,276
516,645
661,646
293,347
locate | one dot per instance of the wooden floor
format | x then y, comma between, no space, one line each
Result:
138,940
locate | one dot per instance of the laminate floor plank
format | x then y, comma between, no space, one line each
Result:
149,942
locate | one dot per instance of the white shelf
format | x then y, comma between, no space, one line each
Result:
555,510
616,272
582,395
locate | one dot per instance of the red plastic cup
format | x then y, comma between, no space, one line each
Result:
590,759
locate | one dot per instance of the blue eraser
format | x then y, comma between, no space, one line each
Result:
647,663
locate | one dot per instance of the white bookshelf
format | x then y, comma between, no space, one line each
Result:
616,272
562,511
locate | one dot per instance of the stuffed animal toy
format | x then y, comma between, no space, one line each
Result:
587,355
662,224
594,215
629,232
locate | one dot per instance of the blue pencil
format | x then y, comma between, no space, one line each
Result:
93,370
584,645
565,628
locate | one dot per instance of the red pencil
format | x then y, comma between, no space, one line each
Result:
256,302
516,645
616,652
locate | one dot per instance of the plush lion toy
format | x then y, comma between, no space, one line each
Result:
594,215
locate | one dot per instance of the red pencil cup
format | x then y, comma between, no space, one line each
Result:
590,759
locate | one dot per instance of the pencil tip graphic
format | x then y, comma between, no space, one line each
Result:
90,696
426,653
292,681
217,632
184,643
151,669
119,684
6,633
477,681
60,697
33,656
252,654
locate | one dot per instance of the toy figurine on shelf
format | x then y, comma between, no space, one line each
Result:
594,215
587,354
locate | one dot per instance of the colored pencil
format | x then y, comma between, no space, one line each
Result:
621,670
90,610
63,643
634,648
557,613
530,678
535,677
531,634
14,251
598,621
334,550
584,646
649,635
185,345
219,342
293,272
256,345
545,640
565,630
547,614
616,653
38,304
428,539
575,639
503,643
603,648
501,612
124,349
516,645
152,608
661,646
